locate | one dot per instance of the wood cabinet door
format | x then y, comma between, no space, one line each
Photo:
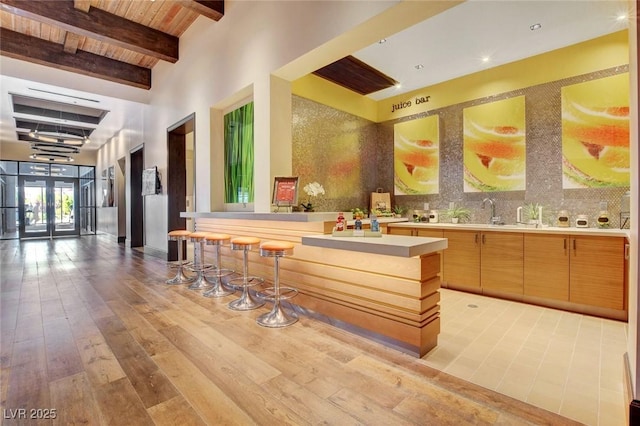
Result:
432,233
502,262
400,231
461,259
546,266
597,272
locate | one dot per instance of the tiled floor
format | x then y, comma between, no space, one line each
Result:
566,363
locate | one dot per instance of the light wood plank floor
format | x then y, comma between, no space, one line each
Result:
90,330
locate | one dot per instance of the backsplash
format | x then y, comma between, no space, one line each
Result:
363,150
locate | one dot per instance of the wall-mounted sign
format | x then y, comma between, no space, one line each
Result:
285,191
408,103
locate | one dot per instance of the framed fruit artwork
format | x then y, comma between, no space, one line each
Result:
494,146
595,133
416,156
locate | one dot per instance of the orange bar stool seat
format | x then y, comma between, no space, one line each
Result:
180,235
199,267
246,302
277,317
215,277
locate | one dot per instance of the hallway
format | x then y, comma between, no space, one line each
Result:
90,330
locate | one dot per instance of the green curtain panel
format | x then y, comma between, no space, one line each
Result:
238,155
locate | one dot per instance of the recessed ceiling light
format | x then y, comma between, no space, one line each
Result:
535,27
621,17
419,66
382,41
398,86
485,59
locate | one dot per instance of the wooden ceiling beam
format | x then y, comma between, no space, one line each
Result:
82,5
99,25
32,49
71,42
211,9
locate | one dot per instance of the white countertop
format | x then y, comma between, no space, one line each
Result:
285,217
610,232
390,245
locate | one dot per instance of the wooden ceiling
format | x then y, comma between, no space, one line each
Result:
119,41
352,73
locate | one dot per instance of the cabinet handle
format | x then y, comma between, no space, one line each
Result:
574,244
476,238
565,243
626,252
483,239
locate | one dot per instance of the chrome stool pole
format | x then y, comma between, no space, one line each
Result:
215,278
277,317
246,302
200,267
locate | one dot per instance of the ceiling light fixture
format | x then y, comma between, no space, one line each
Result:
535,27
621,17
419,66
485,59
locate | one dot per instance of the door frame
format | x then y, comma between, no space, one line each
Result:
50,231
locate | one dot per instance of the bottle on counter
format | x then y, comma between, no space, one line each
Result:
433,216
375,225
358,224
340,222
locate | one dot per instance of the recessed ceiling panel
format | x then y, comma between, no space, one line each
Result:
355,75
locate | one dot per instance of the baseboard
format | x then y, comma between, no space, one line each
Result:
633,413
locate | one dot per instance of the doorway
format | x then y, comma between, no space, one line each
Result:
47,207
177,178
137,201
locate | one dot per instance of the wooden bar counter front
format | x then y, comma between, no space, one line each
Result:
386,290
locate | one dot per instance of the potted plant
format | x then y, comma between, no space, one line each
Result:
359,213
458,214
399,210
312,189
531,212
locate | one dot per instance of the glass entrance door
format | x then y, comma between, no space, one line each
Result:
47,206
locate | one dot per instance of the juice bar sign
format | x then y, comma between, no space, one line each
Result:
406,104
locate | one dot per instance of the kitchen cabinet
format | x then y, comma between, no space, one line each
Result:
546,266
588,270
484,260
461,259
572,270
597,270
502,262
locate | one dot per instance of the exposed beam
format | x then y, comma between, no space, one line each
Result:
99,25
82,5
71,41
31,49
211,9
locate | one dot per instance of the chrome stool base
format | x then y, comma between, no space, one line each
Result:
277,317
200,280
218,289
246,302
180,278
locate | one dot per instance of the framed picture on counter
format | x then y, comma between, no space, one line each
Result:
285,191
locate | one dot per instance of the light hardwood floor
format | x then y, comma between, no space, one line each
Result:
90,330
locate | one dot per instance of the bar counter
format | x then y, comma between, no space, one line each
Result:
384,288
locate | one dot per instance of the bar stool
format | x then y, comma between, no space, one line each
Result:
277,317
180,235
218,290
246,302
200,267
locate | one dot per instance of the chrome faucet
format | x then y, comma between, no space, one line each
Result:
494,220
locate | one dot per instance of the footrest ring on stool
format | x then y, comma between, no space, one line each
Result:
270,295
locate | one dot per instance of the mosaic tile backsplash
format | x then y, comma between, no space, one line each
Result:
352,157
